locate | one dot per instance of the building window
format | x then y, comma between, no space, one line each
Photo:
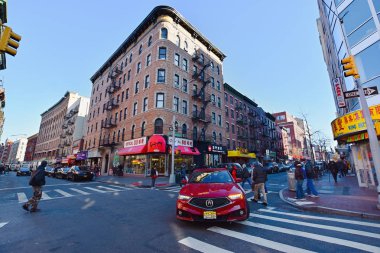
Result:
226,109
219,102
176,59
176,81
148,59
184,107
130,58
176,104
231,100
129,75
202,59
145,105
212,82
220,120
150,41
164,33
213,99
178,41
158,126
184,64
218,85
140,49
133,132
213,137
162,53
147,81
134,108
186,46
203,134
232,114
217,70
228,144
184,85
123,134
184,131
136,87
213,118
126,93
160,100
227,126
143,129
138,67
125,112
233,129
161,76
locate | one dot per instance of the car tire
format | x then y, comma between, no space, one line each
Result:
248,209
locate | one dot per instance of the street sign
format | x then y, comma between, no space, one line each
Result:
369,91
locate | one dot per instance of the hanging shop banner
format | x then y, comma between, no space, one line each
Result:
353,122
339,92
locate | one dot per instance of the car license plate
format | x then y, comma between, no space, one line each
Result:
209,215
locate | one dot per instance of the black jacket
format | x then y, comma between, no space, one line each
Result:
38,178
259,174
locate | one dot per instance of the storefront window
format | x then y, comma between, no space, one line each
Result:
135,164
158,161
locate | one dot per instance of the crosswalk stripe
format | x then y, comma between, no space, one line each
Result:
202,246
45,196
2,224
66,194
21,197
95,190
121,187
259,241
323,238
363,223
108,188
79,191
333,228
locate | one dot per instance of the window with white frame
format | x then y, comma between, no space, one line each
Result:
176,59
160,100
184,107
162,53
161,75
164,33
184,85
145,104
148,59
184,64
136,87
176,81
176,104
135,109
213,117
147,81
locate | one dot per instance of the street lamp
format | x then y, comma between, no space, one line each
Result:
172,176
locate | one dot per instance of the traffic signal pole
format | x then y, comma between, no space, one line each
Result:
172,176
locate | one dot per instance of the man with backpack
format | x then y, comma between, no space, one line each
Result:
246,176
37,180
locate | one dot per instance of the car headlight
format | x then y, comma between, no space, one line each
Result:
183,197
235,196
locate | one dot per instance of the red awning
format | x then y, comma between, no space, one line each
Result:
132,150
156,144
187,150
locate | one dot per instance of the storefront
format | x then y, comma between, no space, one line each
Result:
94,158
211,154
351,129
241,156
158,157
184,152
133,156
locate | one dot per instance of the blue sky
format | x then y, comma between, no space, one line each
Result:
272,48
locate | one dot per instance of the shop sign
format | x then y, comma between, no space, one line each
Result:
156,144
339,92
353,122
75,150
135,142
362,136
82,155
93,154
181,142
216,149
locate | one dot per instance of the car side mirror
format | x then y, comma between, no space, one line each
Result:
238,180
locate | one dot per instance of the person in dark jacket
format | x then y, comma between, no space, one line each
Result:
154,175
37,180
299,176
333,168
259,176
310,175
341,165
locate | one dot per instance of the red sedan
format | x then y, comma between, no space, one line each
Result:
212,195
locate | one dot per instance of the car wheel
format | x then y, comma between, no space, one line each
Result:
248,209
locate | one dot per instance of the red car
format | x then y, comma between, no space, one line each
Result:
212,195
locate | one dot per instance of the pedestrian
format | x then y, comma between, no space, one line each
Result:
299,176
183,173
246,176
310,175
341,167
259,176
37,180
333,168
234,172
154,175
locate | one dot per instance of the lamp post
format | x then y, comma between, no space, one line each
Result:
172,176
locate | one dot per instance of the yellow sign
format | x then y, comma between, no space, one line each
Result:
363,136
353,122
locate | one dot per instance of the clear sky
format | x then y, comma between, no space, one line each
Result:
272,47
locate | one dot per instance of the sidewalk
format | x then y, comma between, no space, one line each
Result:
133,180
344,197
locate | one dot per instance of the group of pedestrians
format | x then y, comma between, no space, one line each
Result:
256,180
301,173
340,167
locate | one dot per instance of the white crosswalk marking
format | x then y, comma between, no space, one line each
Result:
323,238
95,190
108,188
79,191
333,228
22,197
259,241
202,246
66,194
363,223
2,224
45,196
124,188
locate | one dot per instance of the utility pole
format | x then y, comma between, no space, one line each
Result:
172,176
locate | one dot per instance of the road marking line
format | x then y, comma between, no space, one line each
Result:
202,246
172,190
124,188
79,191
66,194
304,203
22,197
308,224
259,241
362,223
108,188
351,244
95,190
2,224
45,196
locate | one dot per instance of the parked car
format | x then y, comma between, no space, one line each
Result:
23,171
212,194
51,171
229,166
271,167
76,173
62,172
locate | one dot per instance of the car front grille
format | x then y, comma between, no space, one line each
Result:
209,203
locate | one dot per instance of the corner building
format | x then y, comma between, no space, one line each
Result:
166,68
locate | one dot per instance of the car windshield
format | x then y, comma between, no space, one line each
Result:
24,169
221,176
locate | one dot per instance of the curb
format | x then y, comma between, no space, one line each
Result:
322,209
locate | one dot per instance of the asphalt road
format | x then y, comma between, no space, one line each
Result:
98,217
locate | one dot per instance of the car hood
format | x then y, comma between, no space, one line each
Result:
210,190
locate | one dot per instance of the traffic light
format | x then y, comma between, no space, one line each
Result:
9,41
349,67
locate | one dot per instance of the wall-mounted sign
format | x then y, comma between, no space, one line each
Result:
135,142
337,82
181,142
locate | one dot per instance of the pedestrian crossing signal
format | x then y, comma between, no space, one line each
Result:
9,41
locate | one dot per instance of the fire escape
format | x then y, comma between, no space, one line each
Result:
200,95
107,125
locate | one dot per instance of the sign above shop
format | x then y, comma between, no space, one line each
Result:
368,91
216,149
181,142
156,144
135,142
339,92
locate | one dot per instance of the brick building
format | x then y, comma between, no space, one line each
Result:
30,147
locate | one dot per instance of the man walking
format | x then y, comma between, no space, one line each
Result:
246,176
299,176
259,176
310,175
183,173
153,175
333,168
37,180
